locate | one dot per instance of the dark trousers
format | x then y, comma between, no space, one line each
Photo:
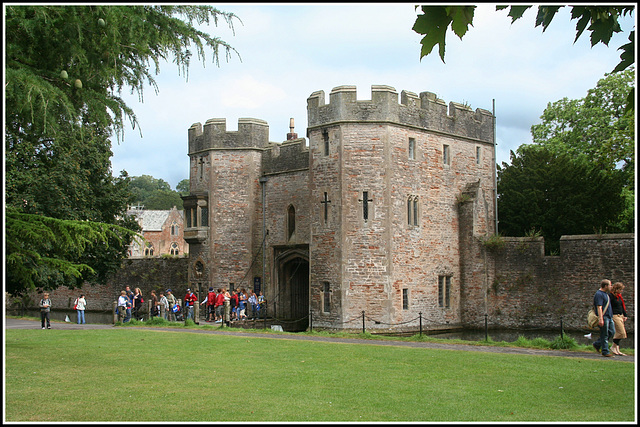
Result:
44,315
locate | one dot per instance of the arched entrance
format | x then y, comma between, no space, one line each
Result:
292,302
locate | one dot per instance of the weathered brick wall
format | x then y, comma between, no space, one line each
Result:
144,273
535,291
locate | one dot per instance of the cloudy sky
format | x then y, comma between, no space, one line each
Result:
288,51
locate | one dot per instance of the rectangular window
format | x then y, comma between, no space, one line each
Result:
405,299
477,155
187,215
204,216
444,291
326,300
412,148
446,155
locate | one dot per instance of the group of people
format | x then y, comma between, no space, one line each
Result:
612,313
226,306
130,304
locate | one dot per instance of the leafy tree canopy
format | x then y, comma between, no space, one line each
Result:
183,187
600,21
595,127
65,67
556,194
154,193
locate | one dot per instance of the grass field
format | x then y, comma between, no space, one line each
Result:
130,374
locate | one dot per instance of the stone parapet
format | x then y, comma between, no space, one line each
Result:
425,111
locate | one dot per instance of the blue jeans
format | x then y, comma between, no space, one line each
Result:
80,316
190,312
607,331
127,317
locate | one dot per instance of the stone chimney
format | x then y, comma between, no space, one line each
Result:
291,135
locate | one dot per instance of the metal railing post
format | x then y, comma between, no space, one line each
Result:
420,315
486,327
363,331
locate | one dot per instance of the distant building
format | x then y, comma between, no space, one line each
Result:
163,232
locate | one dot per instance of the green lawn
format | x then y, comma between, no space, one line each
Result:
129,374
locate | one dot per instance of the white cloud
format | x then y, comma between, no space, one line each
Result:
289,51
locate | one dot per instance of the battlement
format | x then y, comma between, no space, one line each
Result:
251,133
424,111
291,155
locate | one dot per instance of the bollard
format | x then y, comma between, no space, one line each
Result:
310,320
115,316
561,330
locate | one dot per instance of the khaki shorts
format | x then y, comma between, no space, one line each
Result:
619,324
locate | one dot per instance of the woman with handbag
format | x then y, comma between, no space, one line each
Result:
80,306
619,317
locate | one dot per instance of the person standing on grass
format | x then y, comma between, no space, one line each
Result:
261,304
234,305
80,304
123,301
189,300
137,303
602,303
155,304
172,302
164,303
227,306
242,304
619,311
211,301
219,306
45,309
129,293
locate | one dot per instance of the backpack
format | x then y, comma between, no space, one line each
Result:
211,298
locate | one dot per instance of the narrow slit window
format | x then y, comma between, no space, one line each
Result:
446,155
412,148
325,138
415,211
405,299
477,155
291,221
326,290
365,205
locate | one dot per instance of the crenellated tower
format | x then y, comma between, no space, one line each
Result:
381,212
386,181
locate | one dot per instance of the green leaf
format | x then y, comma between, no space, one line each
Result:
461,18
433,23
516,12
545,15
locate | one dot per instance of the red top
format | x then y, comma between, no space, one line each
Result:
219,299
189,299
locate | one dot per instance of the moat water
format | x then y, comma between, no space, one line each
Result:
507,335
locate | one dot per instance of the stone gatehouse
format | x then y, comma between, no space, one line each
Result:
364,216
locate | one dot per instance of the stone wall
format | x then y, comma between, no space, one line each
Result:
535,291
145,273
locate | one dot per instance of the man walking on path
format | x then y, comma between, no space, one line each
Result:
605,318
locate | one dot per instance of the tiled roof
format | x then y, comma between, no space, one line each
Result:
151,220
